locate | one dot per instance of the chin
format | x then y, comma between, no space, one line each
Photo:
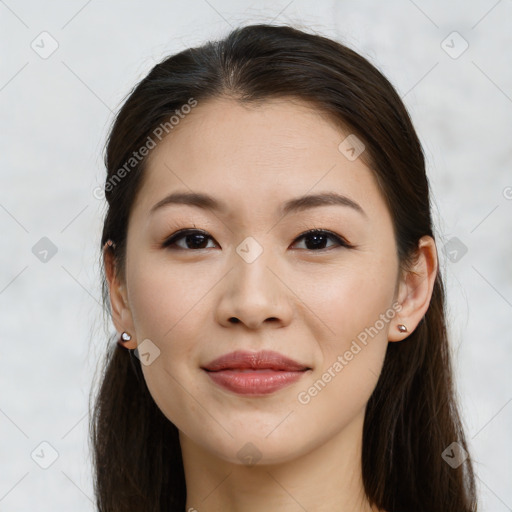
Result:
250,450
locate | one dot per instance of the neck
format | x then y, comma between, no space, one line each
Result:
326,478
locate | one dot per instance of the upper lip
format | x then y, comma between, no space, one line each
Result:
266,359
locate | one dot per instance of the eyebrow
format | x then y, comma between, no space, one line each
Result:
207,202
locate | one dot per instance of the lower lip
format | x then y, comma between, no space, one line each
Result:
257,382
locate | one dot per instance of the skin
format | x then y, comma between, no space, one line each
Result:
306,303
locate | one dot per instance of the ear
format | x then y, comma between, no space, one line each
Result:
415,289
121,314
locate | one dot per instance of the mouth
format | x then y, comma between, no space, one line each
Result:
254,373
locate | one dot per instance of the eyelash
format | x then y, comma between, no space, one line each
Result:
182,233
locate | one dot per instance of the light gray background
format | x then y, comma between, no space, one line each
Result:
55,113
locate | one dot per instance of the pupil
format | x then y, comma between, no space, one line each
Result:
316,239
196,245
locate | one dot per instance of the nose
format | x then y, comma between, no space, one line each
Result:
254,294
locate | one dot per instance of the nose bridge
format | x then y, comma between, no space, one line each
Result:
255,293
251,260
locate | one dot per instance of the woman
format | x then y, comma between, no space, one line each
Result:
270,263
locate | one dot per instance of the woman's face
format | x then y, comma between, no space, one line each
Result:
327,306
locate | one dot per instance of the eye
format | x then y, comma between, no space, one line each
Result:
197,239
318,238
194,237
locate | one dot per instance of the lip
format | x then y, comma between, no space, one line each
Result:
254,373
244,360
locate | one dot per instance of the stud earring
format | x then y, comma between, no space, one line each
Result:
402,328
124,337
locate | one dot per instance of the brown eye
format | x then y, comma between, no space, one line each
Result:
194,239
317,238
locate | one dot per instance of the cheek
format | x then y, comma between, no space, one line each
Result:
350,299
352,349
165,297
168,307
355,307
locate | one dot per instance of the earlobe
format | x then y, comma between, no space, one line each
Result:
121,314
125,341
415,290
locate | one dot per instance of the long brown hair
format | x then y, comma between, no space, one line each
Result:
412,416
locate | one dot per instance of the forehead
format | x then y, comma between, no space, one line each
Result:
255,156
